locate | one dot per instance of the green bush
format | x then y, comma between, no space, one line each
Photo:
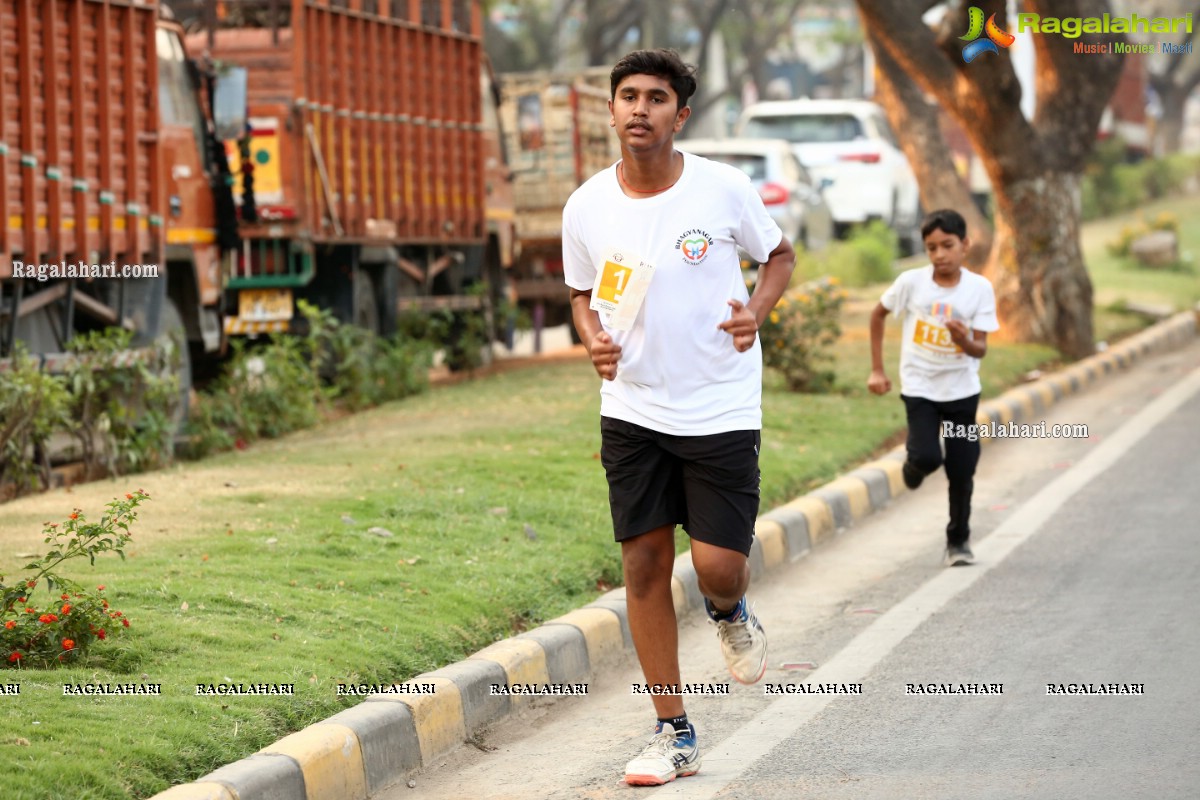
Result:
1111,186
865,258
122,409
286,384
799,333
33,407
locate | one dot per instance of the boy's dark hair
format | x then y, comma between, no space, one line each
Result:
945,219
660,63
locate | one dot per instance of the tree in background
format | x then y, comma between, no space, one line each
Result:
1173,76
910,112
1036,166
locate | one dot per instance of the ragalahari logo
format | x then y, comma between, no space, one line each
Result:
995,36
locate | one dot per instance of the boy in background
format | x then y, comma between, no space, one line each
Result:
948,312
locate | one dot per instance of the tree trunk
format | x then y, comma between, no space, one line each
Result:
926,150
1169,131
1043,291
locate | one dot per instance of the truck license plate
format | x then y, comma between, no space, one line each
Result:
265,305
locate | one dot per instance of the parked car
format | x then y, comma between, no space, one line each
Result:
849,144
792,197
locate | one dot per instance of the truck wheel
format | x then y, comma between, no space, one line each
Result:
172,337
366,307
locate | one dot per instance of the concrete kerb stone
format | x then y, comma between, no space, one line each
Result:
388,736
474,678
523,660
795,530
566,652
774,542
261,777
685,573
838,504
438,718
364,748
330,757
198,791
602,632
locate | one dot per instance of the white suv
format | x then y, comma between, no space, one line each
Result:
847,145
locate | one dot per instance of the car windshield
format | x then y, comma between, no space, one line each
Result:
752,165
803,128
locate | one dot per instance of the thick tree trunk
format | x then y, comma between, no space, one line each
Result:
1043,291
916,121
1170,125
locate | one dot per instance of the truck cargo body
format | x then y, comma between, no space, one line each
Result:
367,158
557,135
106,204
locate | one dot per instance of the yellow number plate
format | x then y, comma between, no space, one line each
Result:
264,305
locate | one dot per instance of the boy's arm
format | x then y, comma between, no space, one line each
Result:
604,351
972,342
878,383
773,277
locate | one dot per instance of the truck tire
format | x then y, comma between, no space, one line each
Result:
173,337
365,301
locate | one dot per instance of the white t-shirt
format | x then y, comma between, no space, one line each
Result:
678,372
931,365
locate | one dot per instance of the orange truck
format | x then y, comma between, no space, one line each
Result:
108,183
557,136
359,168
367,181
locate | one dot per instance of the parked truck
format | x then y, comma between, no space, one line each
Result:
366,180
111,183
557,135
374,186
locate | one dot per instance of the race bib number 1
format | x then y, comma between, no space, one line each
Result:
620,288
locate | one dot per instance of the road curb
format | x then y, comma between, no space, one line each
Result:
382,740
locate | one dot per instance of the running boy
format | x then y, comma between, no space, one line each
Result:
948,312
680,399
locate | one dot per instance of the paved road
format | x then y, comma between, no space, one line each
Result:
1089,573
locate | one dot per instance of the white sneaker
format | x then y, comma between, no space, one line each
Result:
744,644
669,755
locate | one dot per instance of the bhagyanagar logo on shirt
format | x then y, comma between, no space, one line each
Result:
693,245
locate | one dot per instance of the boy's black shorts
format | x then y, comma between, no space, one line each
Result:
708,484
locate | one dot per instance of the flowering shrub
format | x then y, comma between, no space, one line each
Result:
1120,246
799,331
60,624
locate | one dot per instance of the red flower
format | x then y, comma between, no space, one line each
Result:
68,644
128,496
10,624
100,634
15,657
48,618
65,596
31,611
31,584
20,599
125,622
74,515
105,603
65,609
100,588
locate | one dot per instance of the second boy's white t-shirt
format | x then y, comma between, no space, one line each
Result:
931,365
678,372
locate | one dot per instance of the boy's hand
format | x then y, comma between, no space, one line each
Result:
742,325
878,383
959,334
605,355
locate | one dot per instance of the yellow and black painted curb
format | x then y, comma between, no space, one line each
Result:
379,742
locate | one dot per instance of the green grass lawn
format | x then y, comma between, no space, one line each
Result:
1119,280
257,566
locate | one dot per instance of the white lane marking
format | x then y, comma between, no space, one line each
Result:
783,718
